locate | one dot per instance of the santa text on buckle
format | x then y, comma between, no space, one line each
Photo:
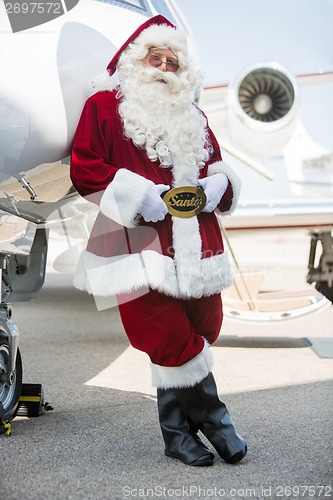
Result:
185,201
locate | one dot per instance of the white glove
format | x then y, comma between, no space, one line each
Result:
214,187
153,207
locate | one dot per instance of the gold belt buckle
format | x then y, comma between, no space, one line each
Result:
185,201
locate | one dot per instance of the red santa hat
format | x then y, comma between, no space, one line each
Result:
156,31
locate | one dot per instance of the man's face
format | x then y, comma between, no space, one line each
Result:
163,59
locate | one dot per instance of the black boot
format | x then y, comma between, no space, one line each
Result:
180,441
204,407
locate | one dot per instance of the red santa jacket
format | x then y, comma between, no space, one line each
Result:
180,257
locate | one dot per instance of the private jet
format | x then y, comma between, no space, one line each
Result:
47,65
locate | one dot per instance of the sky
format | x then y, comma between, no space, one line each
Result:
234,33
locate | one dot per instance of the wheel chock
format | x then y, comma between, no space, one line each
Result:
5,427
31,402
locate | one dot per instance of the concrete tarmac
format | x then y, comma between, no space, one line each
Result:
102,440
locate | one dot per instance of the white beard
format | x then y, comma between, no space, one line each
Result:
158,115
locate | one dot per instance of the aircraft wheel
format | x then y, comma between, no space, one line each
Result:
326,290
9,392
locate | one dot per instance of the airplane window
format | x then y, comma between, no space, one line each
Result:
162,8
134,3
140,6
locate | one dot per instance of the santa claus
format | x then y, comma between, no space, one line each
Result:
141,137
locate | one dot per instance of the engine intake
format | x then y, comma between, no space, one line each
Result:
266,96
263,108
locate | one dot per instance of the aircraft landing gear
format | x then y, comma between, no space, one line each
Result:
10,371
322,275
21,277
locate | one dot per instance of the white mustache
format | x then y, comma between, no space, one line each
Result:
149,75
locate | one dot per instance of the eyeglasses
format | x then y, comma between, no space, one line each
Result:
156,61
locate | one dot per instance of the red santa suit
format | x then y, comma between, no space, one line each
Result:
176,266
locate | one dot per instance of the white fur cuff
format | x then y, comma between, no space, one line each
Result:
187,375
124,196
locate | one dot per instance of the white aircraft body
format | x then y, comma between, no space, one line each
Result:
45,77
46,72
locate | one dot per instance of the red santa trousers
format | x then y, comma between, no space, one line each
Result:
170,330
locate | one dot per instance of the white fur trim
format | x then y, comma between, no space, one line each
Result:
187,246
109,276
104,277
124,196
186,375
162,35
224,168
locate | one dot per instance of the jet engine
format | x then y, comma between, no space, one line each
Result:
263,108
